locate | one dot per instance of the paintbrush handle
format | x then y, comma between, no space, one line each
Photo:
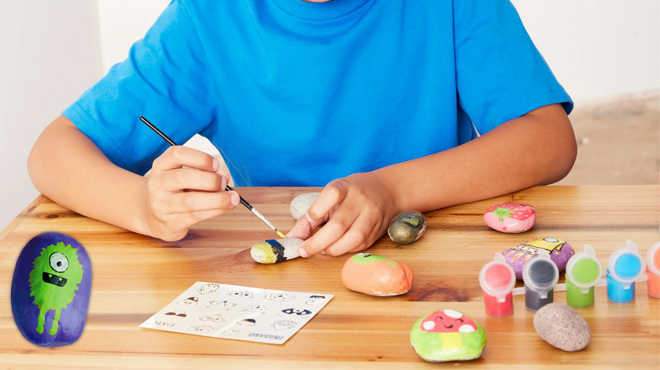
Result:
243,201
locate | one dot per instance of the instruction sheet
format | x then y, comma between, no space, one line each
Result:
238,312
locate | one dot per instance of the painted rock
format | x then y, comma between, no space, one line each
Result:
273,251
510,217
562,327
559,250
447,335
407,227
301,203
50,290
375,275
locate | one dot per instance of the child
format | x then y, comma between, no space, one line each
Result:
393,105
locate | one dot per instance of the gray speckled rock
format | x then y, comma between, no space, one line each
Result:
407,227
562,327
301,203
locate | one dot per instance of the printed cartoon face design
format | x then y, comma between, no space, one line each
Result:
256,308
54,281
282,297
190,301
315,299
200,329
217,318
242,294
209,288
176,314
448,321
296,311
230,332
284,324
225,305
248,322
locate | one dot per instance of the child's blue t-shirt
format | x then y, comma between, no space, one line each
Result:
294,93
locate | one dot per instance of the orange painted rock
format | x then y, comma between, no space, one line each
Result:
375,275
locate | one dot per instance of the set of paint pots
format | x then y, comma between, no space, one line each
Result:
583,273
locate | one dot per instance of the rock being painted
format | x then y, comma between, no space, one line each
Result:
375,275
273,251
448,335
407,227
510,217
50,290
301,203
562,327
559,250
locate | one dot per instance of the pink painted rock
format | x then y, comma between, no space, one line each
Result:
560,252
510,217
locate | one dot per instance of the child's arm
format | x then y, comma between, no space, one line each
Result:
66,166
537,148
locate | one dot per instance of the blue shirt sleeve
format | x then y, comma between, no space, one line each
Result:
500,74
166,79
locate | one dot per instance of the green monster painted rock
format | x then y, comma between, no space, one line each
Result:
447,335
50,290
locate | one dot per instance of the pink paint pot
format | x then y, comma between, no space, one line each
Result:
497,280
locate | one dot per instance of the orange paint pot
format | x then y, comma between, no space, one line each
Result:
653,270
375,275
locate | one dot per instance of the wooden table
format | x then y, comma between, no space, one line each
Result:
135,276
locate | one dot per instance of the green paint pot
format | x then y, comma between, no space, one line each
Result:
583,271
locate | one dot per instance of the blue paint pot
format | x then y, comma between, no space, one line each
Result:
625,267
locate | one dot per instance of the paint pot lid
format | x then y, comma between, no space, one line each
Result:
653,258
626,264
541,274
584,269
497,277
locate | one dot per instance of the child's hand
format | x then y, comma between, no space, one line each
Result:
357,209
184,188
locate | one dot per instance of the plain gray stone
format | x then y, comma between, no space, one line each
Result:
562,326
301,203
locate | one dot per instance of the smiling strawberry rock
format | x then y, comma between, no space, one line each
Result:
510,217
447,335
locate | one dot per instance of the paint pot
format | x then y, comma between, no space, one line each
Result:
497,280
653,270
540,276
625,266
582,273
274,251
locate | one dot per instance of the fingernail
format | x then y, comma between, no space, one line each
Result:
216,164
302,252
309,218
223,183
322,252
235,199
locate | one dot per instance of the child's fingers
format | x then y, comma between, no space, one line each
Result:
181,156
331,195
360,236
192,179
327,235
305,226
192,218
196,201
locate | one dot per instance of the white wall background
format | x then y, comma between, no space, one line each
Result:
49,55
52,51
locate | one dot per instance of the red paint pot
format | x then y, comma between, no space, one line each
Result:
497,280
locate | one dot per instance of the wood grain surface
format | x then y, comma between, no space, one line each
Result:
134,276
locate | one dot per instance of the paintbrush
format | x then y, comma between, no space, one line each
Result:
228,188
